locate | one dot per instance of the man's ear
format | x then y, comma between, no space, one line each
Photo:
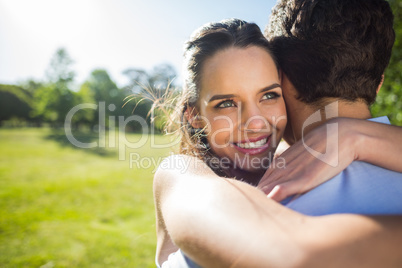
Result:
193,117
380,85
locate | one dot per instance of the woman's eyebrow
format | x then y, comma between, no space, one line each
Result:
218,97
269,87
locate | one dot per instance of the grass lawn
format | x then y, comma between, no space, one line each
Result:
62,206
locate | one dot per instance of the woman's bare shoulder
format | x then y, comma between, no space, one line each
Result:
180,164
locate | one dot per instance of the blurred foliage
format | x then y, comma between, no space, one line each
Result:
50,101
53,100
389,99
59,71
15,102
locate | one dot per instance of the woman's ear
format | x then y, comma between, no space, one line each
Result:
380,85
193,117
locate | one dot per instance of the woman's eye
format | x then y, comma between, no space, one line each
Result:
226,104
270,96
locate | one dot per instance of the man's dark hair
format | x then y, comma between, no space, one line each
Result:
332,48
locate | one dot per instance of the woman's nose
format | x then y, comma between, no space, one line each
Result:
252,119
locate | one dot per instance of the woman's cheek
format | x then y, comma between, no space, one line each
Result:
221,131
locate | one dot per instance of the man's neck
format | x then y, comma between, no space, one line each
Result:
309,117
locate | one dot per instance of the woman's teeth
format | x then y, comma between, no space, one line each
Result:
252,145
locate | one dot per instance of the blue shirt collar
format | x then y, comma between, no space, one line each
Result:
382,119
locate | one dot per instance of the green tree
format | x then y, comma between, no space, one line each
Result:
59,71
85,117
389,99
15,103
54,99
102,89
30,86
52,103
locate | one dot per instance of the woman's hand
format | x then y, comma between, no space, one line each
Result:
329,149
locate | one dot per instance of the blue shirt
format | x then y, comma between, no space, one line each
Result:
361,188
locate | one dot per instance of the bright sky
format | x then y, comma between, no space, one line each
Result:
110,34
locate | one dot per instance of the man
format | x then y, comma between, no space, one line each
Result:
333,54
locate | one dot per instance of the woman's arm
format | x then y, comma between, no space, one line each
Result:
222,222
192,201
363,140
164,184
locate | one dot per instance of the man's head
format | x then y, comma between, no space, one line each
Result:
332,48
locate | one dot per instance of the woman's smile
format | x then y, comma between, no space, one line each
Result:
253,146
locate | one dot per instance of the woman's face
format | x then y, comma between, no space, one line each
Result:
242,107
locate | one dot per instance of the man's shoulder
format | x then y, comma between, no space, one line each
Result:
361,188
369,171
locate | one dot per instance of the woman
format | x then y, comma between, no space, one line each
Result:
233,100
232,110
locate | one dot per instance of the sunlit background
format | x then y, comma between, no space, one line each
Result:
66,205
114,35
